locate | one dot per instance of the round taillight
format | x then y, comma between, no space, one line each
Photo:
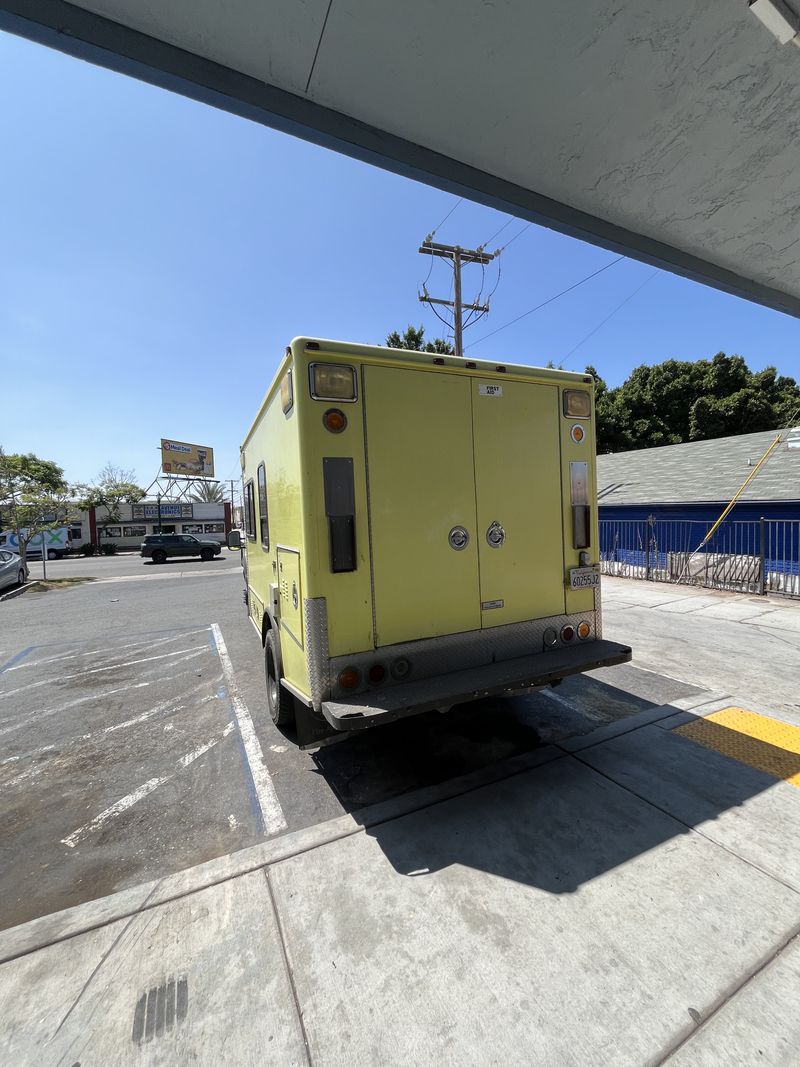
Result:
377,673
550,637
584,629
567,633
401,668
348,678
577,433
334,420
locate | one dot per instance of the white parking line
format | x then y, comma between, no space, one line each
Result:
271,810
114,666
138,794
145,642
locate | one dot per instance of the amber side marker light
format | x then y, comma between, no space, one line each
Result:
348,679
584,629
334,420
577,433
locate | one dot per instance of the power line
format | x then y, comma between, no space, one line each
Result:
447,216
497,234
599,326
549,300
516,235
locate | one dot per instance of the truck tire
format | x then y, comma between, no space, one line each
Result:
159,556
279,701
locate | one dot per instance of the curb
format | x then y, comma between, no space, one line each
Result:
18,592
60,926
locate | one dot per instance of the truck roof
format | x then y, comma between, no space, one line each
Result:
481,368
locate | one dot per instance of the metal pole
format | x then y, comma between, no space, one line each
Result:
457,326
158,501
44,558
762,556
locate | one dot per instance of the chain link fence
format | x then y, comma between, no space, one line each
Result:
761,556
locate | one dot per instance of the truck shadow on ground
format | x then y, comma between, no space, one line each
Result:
375,765
576,817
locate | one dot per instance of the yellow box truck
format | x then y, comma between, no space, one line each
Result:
420,531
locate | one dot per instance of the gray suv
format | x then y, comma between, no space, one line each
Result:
158,546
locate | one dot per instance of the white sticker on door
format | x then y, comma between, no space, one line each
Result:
490,390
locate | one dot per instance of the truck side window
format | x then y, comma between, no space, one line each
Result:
249,511
262,505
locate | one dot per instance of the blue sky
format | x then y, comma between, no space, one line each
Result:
158,255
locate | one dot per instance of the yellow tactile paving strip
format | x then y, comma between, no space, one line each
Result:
762,743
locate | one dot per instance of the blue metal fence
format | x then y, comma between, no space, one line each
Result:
755,557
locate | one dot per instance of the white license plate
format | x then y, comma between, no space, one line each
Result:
583,578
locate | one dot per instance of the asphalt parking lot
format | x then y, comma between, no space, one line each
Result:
134,740
604,873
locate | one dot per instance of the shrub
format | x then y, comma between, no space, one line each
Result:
87,549
108,550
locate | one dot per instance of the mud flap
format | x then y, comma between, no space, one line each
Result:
313,729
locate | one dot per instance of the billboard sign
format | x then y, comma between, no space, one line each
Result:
191,461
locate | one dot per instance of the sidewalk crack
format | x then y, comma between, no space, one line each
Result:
288,966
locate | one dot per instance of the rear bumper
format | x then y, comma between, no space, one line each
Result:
459,687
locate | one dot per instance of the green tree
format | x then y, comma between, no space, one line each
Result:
680,400
113,487
34,497
209,493
414,339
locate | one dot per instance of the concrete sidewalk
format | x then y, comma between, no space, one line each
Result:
631,896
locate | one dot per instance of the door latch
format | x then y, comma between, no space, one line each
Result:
495,535
458,538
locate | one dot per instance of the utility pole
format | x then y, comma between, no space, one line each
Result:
458,256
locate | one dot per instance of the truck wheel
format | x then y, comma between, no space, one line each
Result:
159,556
207,554
279,701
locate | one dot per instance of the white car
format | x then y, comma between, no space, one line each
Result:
12,570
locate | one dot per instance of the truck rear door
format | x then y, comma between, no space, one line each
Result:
421,498
518,493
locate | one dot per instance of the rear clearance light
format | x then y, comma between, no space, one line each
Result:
439,361
577,433
577,404
567,633
584,629
376,673
349,678
332,381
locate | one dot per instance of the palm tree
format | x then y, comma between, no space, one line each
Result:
209,493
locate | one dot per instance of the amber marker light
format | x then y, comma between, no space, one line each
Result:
334,420
348,679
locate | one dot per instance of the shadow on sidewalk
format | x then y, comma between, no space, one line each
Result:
575,818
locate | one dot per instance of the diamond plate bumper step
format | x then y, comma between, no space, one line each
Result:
459,687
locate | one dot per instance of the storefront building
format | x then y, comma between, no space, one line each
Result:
137,521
